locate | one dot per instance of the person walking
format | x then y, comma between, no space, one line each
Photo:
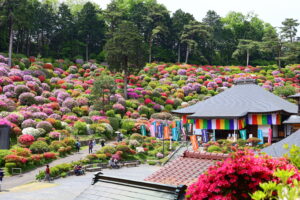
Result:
77,145
90,146
47,173
102,143
1,177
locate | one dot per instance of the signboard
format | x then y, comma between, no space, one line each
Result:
4,137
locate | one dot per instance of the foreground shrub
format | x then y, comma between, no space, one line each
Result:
214,148
26,140
39,147
236,177
3,153
136,136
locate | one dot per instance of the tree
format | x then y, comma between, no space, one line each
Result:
180,19
271,43
11,12
91,27
214,44
189,36
289,30
245,46
104,86
126,50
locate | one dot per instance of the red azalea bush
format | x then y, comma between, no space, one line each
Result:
26,140
237,177
50,155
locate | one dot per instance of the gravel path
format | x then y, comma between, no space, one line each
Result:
13,181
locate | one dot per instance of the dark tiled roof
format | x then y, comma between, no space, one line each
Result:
185,170
277,150
238,101
112,188
293,119
295,96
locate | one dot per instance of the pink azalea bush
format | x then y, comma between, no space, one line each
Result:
237,177
26,140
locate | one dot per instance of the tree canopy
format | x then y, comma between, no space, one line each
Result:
80,29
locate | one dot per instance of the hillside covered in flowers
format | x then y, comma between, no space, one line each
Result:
40,98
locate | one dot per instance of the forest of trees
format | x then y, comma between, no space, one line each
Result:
80,29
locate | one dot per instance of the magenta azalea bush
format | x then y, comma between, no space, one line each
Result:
237,177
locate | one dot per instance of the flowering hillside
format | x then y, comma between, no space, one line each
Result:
49,99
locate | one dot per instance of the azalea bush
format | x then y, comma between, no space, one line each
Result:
26,140
237,176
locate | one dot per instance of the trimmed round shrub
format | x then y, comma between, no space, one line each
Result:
27,98
55,145
45,125
20,89
28,123
214,148
136,136
107,150
123,148
3,153
32,131
114,122
26,139
39,147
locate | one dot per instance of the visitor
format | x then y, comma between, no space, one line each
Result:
118,136
115,162
102,143
78,170
90,146
1,175
47,173
121,137
77,145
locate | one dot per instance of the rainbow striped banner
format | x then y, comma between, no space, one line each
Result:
261,119
221,124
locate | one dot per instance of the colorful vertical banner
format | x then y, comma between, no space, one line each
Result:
160,131
166,132
152,130
143,130
270,135
205,137
260,136
243,134
262,119
194,141
175,134
184,119
221,124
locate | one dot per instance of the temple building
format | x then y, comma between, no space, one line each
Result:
245,107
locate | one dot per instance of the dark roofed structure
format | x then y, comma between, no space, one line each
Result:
293,119
238,101
106,188
186,169
278,150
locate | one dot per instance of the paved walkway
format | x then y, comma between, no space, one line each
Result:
13,181
70,187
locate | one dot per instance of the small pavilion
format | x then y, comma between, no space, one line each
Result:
245,106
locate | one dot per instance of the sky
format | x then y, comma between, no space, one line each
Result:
271,11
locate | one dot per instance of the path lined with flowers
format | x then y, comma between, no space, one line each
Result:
13,181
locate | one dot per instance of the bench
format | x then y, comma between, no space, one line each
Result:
131,164
93,169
